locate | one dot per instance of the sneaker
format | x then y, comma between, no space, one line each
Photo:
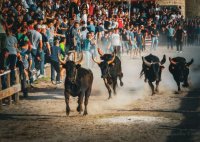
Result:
53,82
181,52
58,82
40,76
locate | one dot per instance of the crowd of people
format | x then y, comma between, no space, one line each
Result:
36,32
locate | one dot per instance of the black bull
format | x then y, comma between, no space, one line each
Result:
152,69
179,68
110,70
78,83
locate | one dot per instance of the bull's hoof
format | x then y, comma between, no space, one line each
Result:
153,93
79,109
121,83
67,111
109,98
157,91
85,113
67,114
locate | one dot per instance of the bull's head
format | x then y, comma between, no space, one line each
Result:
104,64
156,67
71,67
180,67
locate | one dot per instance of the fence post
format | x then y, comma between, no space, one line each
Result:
8,85
17,82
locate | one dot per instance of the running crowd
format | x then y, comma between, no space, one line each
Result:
36,32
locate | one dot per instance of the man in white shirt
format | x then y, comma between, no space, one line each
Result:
116,42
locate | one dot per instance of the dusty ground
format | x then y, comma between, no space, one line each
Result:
133,115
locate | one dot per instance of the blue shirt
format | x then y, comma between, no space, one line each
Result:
91,28
170,32
86,45
55,51
132,36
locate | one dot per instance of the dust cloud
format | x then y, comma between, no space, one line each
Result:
134,87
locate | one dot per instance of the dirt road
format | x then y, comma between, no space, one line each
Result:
133,115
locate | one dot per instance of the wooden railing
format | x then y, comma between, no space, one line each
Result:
10,90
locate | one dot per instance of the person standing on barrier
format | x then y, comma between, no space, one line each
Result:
11,45
3,66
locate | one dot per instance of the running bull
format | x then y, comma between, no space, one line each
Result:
78,83
179,68
111,70
152,69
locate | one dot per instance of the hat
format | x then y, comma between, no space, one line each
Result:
39,26
43,27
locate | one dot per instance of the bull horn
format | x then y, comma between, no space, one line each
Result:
70,52
146,62
163,60
95,60
100,52
81,59
171,61
112,60
190,63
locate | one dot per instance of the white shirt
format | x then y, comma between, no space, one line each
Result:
115,40
84,18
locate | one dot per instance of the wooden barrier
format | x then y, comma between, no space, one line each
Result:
10,90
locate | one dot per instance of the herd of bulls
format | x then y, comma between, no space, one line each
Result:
78,81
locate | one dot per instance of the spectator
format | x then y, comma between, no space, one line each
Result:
11,45
116,42
2,34
26,59
154,34
106,43
46,52
86,47
179,39
125,41
76,33
170,36
36,51
3,66
62,56
55,66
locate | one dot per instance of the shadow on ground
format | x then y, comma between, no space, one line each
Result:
189,129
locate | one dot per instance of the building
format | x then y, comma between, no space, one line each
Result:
192,8
189,8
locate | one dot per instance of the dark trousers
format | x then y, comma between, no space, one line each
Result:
2,40
34,58
170,42
179,45
117,50
23,79
3,82
12,59
55,66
